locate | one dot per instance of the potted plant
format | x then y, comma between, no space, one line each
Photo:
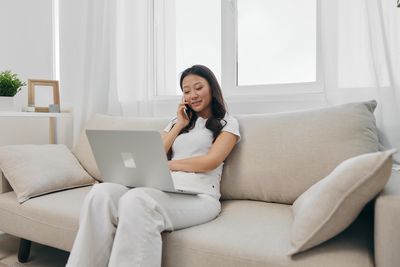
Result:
10,85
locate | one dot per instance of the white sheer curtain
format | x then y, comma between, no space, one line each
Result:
97,93
133,56
360,49
105,57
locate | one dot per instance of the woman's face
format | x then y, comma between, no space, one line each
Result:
197,93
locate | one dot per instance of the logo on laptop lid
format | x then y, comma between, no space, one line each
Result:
129,161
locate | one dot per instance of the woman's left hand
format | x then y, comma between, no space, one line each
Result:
171,165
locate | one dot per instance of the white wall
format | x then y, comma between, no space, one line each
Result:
27,48
26,39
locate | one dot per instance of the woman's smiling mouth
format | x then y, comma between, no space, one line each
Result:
196,103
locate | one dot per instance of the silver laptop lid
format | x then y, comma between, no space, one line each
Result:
131,158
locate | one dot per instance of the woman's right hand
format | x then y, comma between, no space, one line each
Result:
182,119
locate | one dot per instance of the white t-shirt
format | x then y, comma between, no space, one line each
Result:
197,142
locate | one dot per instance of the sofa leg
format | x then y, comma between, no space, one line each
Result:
24,250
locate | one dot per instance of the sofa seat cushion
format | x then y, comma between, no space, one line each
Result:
247,233
251,233
50,219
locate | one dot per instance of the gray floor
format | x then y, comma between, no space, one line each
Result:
41,256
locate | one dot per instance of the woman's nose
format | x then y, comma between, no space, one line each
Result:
193,95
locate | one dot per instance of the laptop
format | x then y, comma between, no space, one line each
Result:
134,158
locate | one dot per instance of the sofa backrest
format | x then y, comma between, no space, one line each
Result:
280,155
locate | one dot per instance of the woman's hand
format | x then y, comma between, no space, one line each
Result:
171,165
181,122
182,118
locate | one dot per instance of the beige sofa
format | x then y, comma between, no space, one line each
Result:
279,157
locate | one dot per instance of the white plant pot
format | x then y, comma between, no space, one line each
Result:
7,103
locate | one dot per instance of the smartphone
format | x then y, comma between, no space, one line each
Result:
188,111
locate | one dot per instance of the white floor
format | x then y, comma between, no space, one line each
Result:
40,256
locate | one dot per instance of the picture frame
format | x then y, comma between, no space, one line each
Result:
31,93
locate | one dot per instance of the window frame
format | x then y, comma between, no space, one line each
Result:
229,57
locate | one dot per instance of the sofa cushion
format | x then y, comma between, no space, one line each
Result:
331,205
281,155
105,122
387,223
33,170
4,184
50,219
246,233
252,233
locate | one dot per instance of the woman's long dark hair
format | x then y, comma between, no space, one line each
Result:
218,109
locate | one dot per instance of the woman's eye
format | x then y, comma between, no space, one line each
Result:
187,92
199,88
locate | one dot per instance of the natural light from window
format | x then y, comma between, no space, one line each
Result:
276,41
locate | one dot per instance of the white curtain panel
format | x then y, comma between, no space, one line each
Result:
86,34
106,57
132,57
360,52
98,93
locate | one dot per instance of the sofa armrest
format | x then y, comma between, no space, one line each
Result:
4,185
387,224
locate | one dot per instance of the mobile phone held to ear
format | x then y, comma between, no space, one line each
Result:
188,111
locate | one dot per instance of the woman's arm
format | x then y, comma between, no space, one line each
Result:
181,122
221,148
169,137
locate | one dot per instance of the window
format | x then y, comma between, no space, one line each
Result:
253,46
188,32
276,41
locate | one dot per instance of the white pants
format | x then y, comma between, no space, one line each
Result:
119,226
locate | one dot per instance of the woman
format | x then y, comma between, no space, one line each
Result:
121,226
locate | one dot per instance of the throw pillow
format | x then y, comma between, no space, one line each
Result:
34,170
332,204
